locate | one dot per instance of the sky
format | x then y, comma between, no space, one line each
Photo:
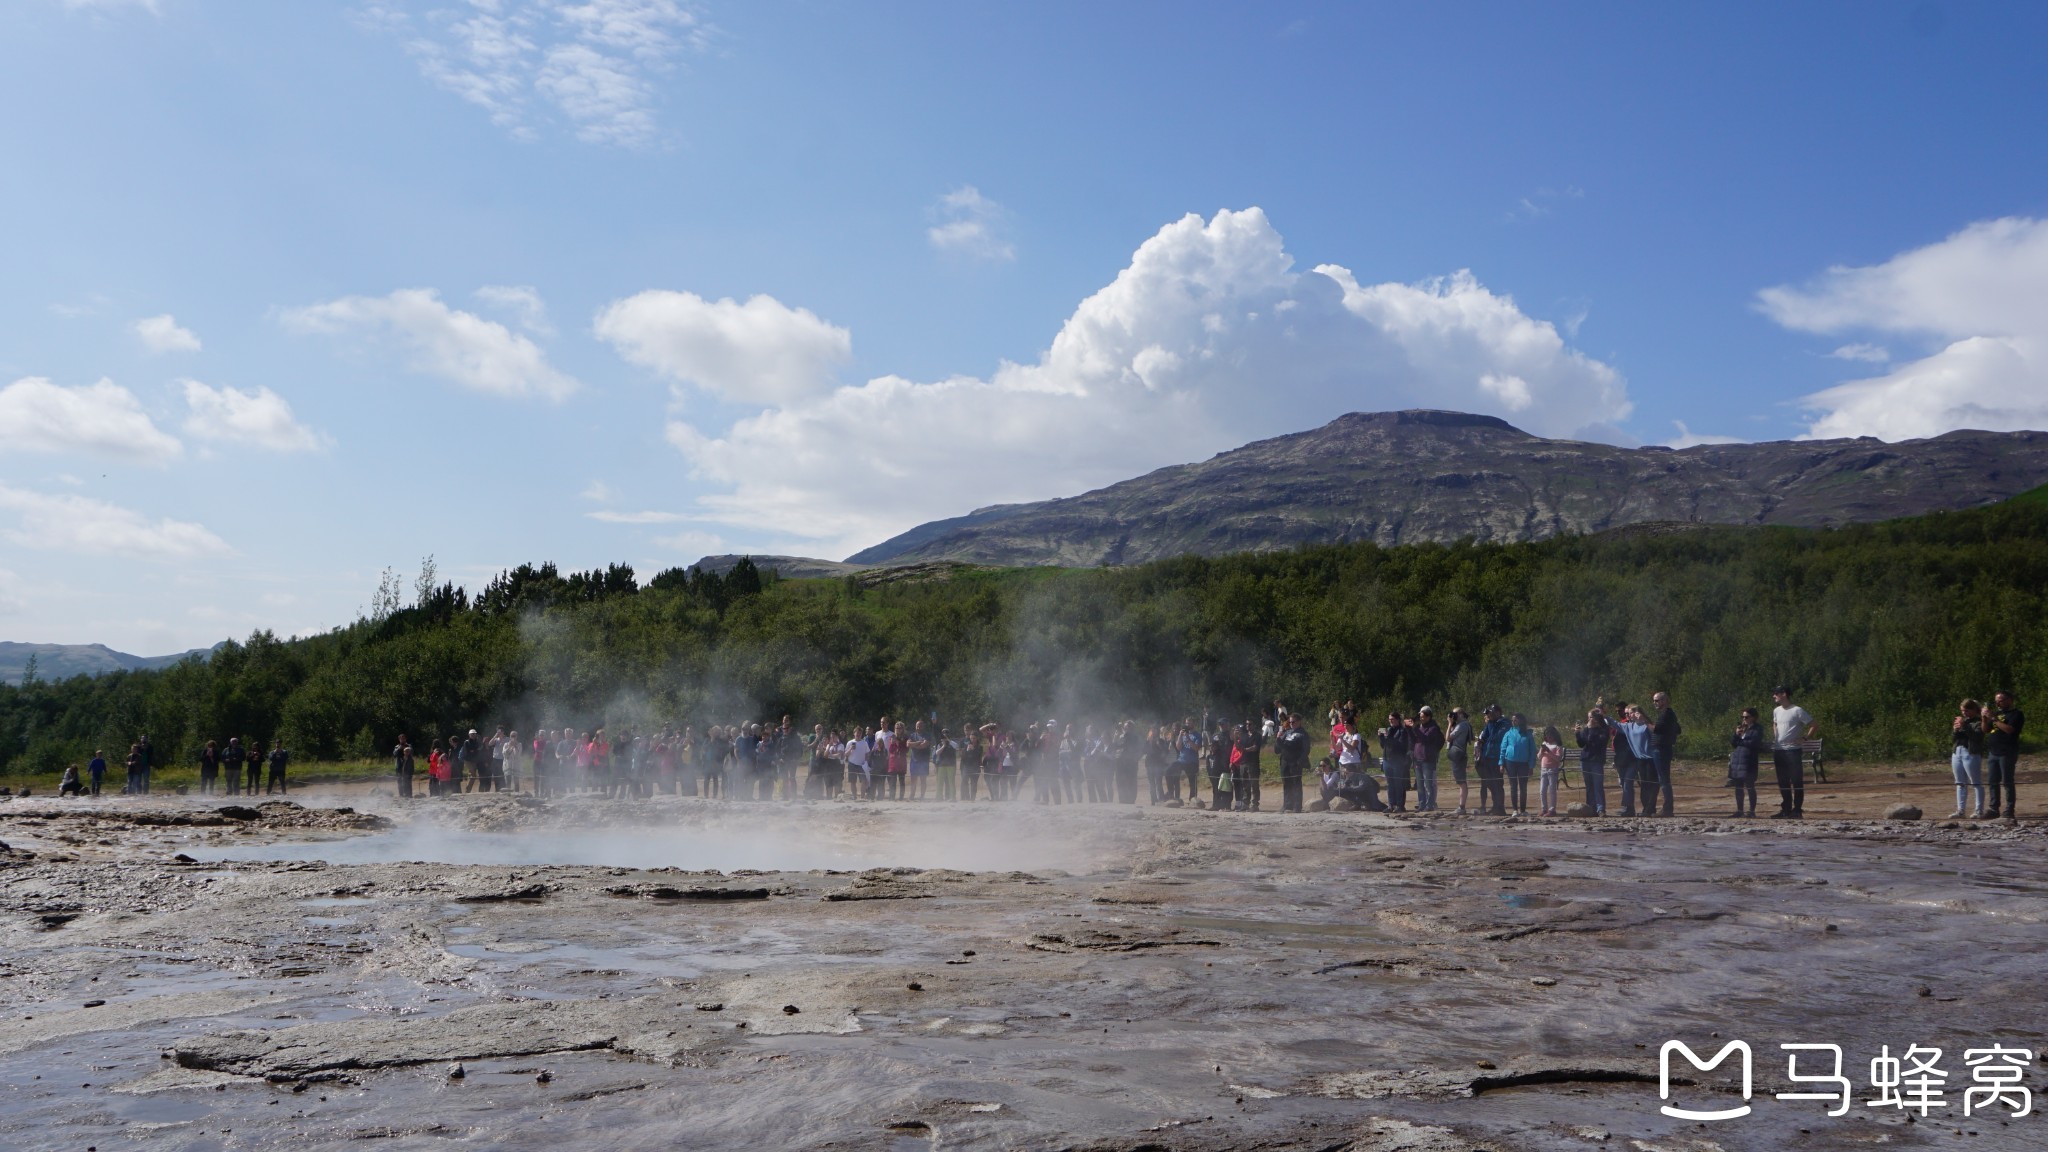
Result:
291,294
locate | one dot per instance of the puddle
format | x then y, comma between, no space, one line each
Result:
687,849
1523,900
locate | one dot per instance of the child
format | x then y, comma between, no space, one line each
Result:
1748,743
1550,760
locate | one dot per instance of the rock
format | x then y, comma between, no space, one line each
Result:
1172,804
790,1009
1581,809
1543,981
1319,805
914,986
1340,804
456,1072
543,1076
1902,812
237,812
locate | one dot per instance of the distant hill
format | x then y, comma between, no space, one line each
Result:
1419,476
791,567
63,661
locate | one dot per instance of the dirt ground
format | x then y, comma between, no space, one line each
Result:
676,973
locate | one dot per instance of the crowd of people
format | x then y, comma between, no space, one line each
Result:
1218,764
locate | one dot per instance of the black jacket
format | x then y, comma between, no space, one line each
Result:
1593,740
1748,744
1667,729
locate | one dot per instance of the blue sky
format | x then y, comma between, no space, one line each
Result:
296,292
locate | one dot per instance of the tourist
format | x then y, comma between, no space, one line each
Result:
209,768
857,751
1187,756
1666,730
1332,780
897,761
2001,754
1072,783
1350,754
97,769
1458,744
1593,738
134,766
148,753
255,762
1244,769
1517,754
1641,739
1425,744
1790,724
1748,744
69,784
1967,760
1625,768
401,767
1293,745
1394,741
278,759
1550,767
1361,789
1489,762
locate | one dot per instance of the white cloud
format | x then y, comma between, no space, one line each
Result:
161,334
261,418
637,517
761,351
521,300
95,527
1209,338
458,346
1867,353
104,418
599,491
1981,294
968,226
1687,438
591,61
149,6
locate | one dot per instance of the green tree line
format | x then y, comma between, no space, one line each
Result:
1880,628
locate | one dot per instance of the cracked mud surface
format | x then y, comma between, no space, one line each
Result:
982,976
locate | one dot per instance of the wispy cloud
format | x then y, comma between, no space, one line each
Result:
1687,438
1543,202
95,527
523,301
1867,353
260,418
458,346
104,419
637,517
970,224
162,334
593,62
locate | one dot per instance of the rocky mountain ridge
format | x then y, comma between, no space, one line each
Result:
1428,476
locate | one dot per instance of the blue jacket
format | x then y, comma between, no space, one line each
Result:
1516,747
1489,741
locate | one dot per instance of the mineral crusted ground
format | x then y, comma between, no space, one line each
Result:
925,977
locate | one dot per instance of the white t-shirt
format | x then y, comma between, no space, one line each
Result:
857,753
1791,725
1347,752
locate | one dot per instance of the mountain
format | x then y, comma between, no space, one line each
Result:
63,661
791,567
1407,477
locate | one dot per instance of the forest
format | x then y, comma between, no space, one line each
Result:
1881,629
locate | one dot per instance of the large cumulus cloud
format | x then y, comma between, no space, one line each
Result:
1209,338
1980,297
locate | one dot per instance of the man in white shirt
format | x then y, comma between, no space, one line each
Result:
1789,725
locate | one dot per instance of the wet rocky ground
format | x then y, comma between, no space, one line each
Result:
689,974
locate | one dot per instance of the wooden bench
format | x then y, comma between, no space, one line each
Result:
1811,749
